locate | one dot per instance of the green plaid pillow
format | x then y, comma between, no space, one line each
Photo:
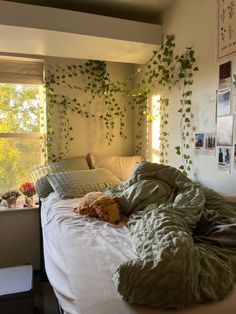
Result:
73,184
39,174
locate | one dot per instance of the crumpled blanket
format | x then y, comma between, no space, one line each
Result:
184,236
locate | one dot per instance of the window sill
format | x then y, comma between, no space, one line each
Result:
16,209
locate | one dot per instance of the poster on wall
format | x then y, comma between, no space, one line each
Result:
226,28
234,156
224,157
235,129
234,149
225,131
207,112
233,105
223,102
225,75
210,144
199,143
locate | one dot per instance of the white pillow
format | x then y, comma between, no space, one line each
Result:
119,166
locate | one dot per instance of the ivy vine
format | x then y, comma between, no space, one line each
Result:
164,103
96,84
166,70
163,71
234,80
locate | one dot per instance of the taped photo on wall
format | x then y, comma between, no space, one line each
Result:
225,131
223,102
224,158
210,144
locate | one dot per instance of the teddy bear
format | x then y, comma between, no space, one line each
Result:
101,206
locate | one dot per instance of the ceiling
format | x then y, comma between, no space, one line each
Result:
137,10
107,30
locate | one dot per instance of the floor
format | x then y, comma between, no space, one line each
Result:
50,304
44,298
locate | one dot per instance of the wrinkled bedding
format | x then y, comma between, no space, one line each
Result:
184,236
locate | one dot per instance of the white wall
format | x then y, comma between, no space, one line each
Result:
20,237
89,134
195,23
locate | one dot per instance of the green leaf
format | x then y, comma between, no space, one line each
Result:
187,102
177,148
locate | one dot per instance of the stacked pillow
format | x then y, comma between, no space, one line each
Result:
73,184
39,174
119,166
72,177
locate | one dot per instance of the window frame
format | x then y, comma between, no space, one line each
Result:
42,133
38,136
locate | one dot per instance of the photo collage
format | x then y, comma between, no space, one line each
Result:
222,142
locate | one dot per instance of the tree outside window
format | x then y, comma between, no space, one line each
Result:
21,133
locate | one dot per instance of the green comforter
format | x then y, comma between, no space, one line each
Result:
184,236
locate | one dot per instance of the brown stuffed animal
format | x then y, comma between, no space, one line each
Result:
107,209
85,205
100,205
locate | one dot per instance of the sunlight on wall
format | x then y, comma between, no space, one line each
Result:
156,128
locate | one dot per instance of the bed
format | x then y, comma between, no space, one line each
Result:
82,255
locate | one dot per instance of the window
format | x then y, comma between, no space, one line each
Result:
21,125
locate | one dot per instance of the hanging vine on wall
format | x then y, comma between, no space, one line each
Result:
234,80
164,70
167,70
163,138
96,84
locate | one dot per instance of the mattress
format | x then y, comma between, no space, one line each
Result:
81,255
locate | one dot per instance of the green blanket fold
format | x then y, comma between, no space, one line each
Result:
184,236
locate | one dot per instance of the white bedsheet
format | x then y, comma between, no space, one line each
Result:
81,254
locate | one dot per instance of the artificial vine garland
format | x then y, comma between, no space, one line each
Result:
97,84
234,80
164,70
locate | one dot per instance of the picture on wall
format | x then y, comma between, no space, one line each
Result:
210,144
226,28
234,156
224,158
223,102
207,112
199,140
235,129
225,131
225,75
233,104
